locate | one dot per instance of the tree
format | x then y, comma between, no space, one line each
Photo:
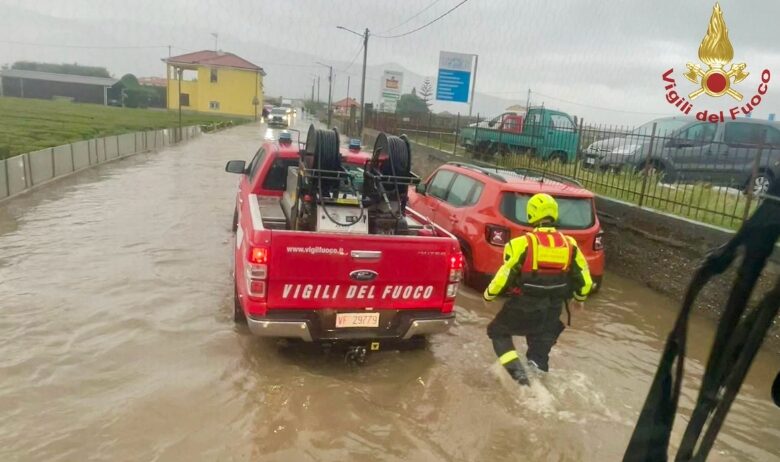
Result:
426,91
411,105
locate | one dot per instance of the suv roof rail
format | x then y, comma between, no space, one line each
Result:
477,168
541,176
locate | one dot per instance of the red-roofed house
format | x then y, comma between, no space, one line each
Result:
215,82
343,106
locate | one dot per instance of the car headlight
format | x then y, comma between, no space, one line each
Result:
627,149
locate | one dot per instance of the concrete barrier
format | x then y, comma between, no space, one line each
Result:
112,147
16,170
126,144
63,160
29,170
81,154
3,181
100,150
41,166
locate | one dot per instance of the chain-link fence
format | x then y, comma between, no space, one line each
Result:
710,172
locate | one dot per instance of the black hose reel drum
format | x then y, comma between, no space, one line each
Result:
392,159
323,154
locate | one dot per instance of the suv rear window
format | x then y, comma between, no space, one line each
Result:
276,179
573,212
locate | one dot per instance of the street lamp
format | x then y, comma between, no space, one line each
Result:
330,89
364,36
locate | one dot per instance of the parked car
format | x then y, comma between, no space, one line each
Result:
279,117
485,208
686,150
548,133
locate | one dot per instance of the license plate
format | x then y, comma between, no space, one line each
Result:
357,320
590,160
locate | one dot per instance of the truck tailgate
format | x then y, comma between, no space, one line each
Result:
333,271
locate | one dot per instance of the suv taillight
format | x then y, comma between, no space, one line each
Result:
497,235
456,274
598,241
256,271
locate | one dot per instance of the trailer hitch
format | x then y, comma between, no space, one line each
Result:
356,354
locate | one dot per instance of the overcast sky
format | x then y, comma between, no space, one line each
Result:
599,59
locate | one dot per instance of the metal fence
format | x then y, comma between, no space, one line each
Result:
26,171
713,173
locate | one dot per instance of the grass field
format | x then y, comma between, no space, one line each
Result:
31,124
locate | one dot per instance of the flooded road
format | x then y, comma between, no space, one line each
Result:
117,343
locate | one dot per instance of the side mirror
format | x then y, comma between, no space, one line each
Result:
236,166
420,188
492,123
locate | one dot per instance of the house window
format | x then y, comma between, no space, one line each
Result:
214,105
213,76
184,99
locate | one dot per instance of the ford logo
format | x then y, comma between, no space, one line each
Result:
363,275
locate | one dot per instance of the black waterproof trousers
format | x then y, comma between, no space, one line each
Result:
537,319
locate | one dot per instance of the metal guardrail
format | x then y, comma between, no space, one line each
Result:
26,171
692,174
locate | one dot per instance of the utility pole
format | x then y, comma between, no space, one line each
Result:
363,86
180,70
318,89
330,91
473,83
169,51
348,77
216,41
364,36
528,102
313,80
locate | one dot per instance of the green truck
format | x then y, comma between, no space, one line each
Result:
549,134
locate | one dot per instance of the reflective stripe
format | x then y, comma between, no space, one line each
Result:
534,248
508,357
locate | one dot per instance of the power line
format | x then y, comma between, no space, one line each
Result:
416,15
107,47
353,58
424,25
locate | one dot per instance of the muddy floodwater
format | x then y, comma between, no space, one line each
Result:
117,343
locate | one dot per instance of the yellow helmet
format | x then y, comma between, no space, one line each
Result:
541,206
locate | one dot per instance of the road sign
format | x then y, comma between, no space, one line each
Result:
392,84
454,78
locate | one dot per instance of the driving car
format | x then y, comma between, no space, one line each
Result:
279,117
485,208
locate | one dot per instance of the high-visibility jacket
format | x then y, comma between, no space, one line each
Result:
542,263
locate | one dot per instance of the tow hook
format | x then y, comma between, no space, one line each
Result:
356,355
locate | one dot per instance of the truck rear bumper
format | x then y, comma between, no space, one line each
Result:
311,326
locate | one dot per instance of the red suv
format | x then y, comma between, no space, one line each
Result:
485,208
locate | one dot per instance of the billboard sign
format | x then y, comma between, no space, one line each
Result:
392,84
454,77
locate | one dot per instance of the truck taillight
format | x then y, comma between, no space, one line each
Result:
497,235
598,241
456,274
256,271
456,267
258,255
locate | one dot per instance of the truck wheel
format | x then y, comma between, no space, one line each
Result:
238,313
761,183
235,221
559,156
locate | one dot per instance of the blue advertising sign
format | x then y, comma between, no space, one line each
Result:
454,78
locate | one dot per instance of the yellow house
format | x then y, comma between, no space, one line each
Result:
215,82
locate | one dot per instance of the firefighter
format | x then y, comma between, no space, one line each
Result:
542,270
